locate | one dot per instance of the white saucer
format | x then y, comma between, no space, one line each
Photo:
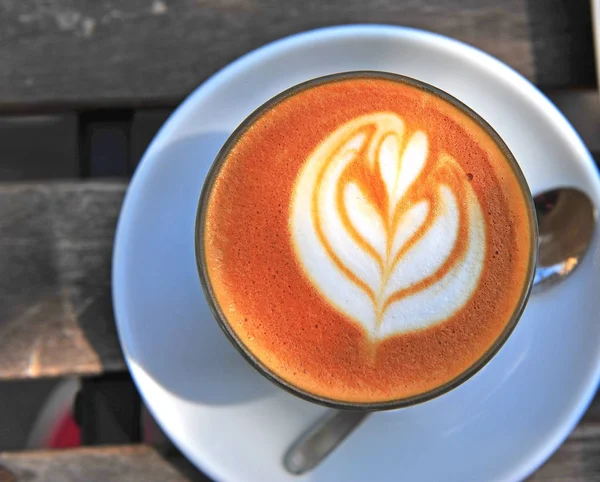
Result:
500,425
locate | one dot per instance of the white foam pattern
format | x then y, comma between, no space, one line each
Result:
354,249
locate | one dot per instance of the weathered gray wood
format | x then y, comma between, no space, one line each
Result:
140,52
582,108
126,463
55,250
576,461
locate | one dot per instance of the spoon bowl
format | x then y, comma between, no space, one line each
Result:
566,222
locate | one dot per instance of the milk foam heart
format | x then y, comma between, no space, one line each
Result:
391,236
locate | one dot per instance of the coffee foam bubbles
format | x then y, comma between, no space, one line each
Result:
389,235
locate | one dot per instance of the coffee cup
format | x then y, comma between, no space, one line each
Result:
366,241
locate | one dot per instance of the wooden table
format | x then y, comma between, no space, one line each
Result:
83,87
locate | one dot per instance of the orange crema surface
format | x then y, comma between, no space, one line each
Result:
354,143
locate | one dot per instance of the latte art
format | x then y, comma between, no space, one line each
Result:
392,237
366,239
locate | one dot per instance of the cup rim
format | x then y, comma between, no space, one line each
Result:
253,360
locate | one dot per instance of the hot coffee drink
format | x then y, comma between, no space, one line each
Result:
366,238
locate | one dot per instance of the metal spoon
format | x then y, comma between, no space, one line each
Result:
566,221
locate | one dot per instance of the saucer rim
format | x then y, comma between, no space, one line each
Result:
573,414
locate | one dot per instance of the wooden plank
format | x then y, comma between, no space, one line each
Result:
153,52
582,108
125,463
576,461
55,251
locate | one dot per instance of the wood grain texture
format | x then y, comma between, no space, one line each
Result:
141,52
55,251
124,463
582,108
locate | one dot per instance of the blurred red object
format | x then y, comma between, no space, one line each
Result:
65,433
55,426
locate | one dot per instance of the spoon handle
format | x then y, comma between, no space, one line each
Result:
319,440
